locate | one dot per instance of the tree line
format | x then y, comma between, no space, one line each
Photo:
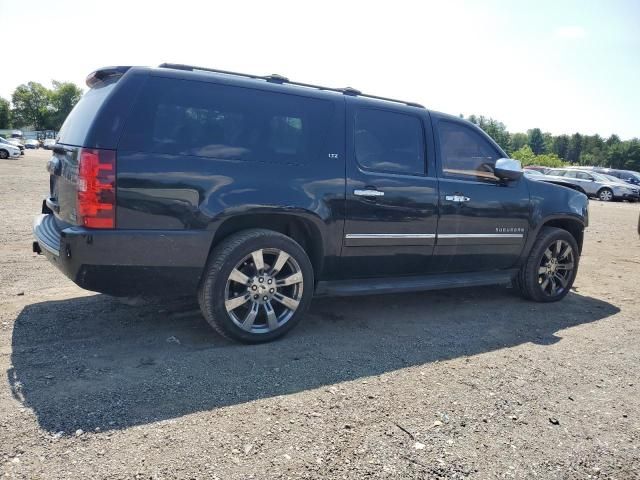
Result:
542,148
36,106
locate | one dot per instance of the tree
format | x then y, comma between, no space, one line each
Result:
536,141
31,106
575,148
64,97
495,129
560,146
527,157
5,114
518,140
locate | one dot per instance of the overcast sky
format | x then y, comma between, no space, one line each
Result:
563,66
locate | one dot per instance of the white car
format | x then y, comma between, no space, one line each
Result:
9,151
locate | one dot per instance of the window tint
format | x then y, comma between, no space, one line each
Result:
557,173
465,152
390,142
182,117
568,173
583,176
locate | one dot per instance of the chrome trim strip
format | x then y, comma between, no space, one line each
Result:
390,235
480,235
433,235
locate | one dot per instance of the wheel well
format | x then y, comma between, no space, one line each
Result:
574,227
303,231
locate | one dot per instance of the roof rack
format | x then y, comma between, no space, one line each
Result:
275,78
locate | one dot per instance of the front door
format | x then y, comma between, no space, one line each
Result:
392,191
483,221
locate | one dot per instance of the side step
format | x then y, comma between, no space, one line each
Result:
373,286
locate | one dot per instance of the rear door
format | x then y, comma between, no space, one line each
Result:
483,221
392,191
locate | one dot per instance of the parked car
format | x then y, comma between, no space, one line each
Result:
593,184
537,168
32,144
628,176
634,189
8,150
48,143
258,193
15,142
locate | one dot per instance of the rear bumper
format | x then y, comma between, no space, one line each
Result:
124,262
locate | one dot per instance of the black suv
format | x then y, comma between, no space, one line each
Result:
258,193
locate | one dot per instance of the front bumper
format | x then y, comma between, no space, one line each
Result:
124,262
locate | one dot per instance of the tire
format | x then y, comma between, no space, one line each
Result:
531,278
233,277
4,154
605,195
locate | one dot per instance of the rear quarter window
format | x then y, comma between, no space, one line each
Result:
76,127
192,118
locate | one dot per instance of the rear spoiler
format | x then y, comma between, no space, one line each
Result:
102,74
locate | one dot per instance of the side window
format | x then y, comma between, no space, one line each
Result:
584,176
465,153
569,174
389,142
183,117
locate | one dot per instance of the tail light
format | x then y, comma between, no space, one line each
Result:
97,188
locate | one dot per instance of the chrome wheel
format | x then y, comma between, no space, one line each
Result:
264,290
556,268
606,195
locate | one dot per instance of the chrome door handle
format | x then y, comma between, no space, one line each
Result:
368,193
457,198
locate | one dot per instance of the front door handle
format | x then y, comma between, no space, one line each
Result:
456,198
368,193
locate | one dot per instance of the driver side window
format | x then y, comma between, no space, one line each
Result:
465,153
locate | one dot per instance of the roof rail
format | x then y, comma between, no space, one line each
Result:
275,78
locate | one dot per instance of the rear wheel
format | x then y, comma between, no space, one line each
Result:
550,270
4,154
256,286
605,194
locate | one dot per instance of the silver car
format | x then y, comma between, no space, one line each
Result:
594,184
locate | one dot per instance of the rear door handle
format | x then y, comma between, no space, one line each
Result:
456,198
368,193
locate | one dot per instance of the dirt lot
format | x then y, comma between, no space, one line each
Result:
472,383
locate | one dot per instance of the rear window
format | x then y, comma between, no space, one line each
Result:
76,126
184,117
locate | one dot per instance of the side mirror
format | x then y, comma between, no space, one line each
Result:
508,169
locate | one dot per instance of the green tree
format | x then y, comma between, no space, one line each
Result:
5,113
31,106
560,146
518,140
64,97
536,141
575,148
527,157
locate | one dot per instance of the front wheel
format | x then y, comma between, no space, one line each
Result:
4,154
605,195
256,286
550,270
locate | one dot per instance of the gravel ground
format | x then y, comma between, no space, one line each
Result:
472,383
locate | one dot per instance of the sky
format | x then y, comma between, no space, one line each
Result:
562,66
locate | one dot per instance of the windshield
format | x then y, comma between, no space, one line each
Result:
611,178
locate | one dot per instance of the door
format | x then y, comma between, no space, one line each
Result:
483,220
584,180
391,191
